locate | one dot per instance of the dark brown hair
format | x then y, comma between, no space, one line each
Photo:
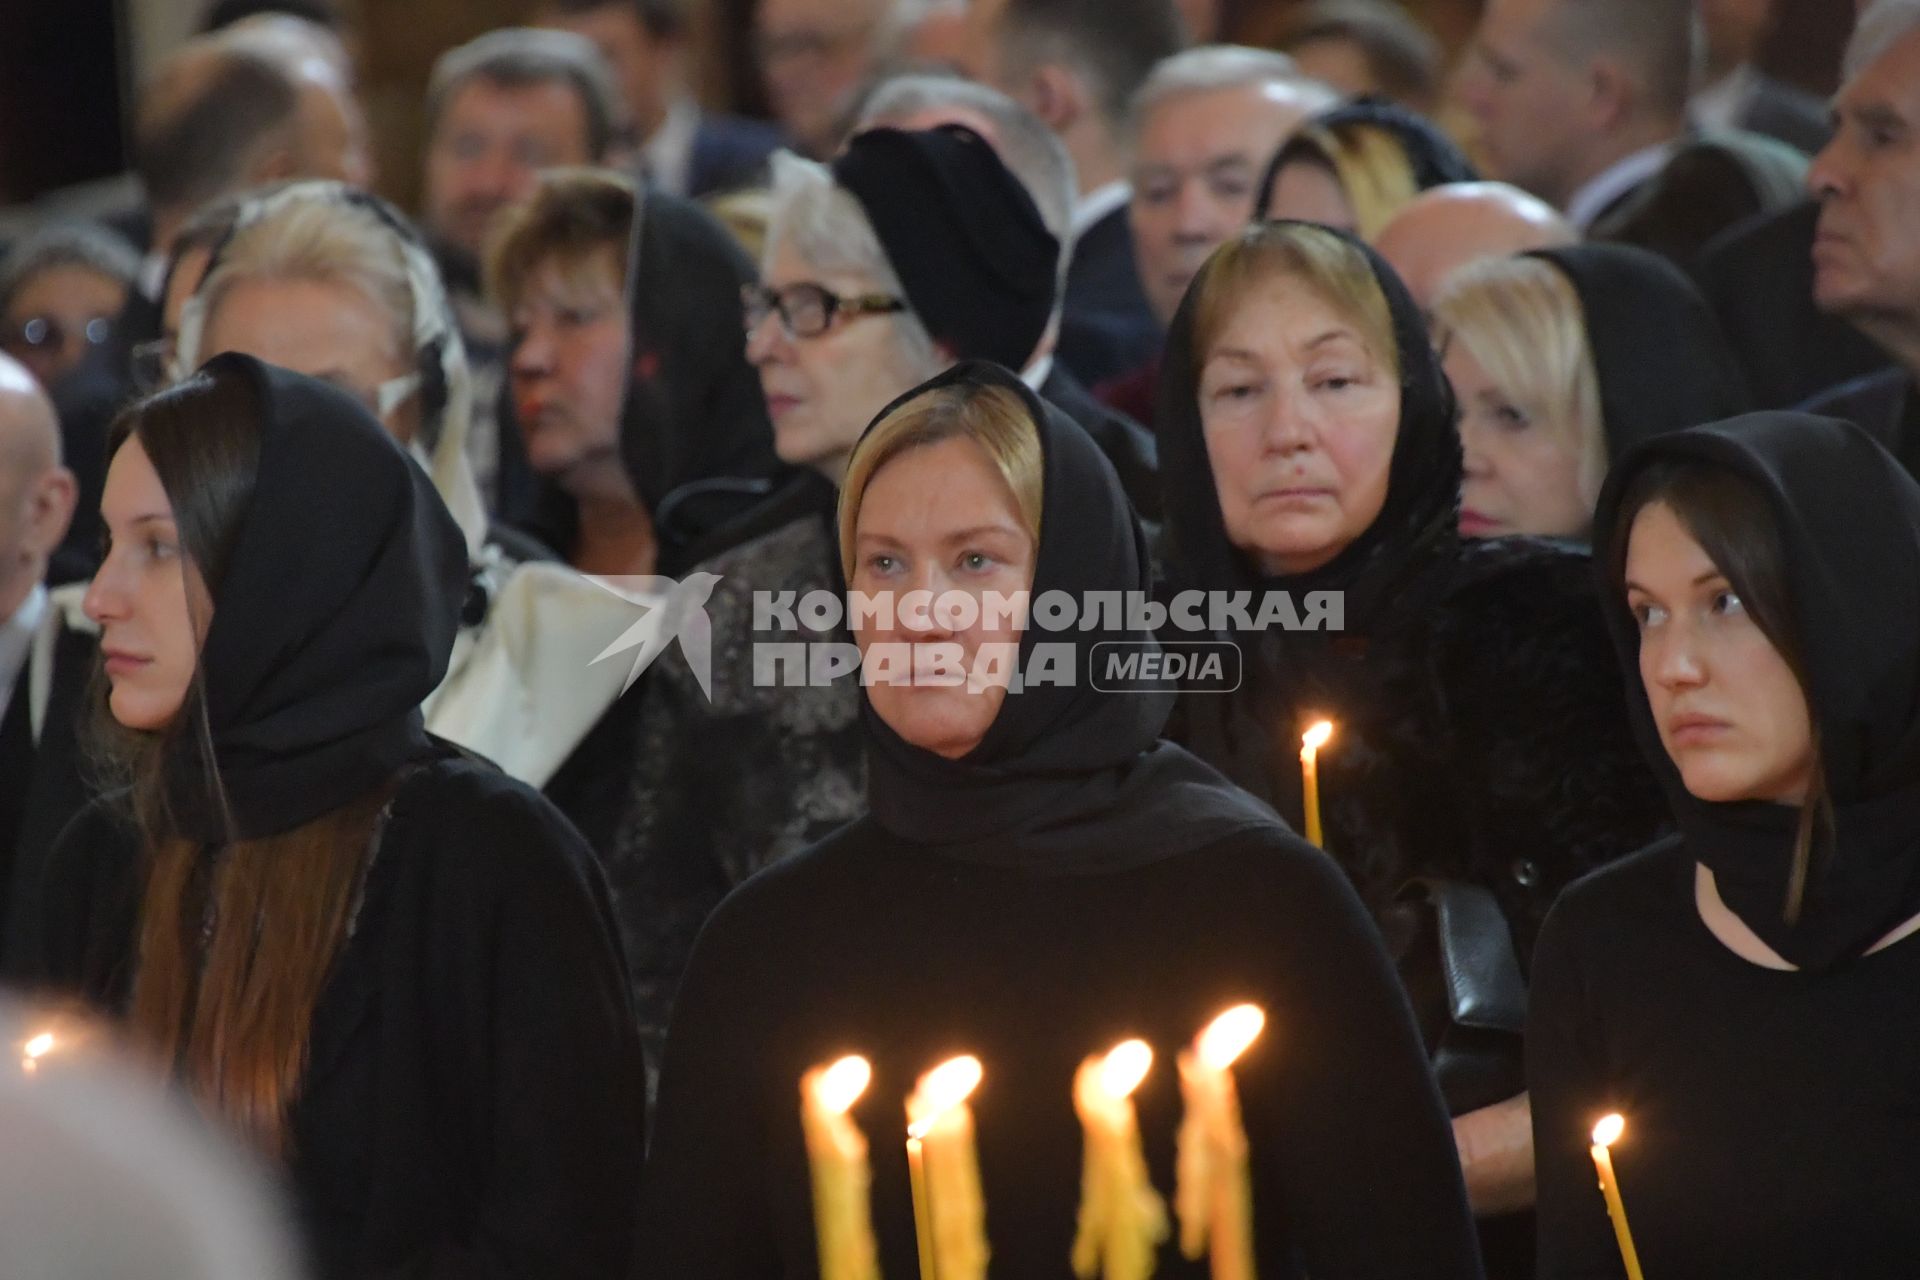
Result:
1731,521
235,942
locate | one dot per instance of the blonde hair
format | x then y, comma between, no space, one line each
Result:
1368,162
322,240
993,417
1331,266
1522,320
578,220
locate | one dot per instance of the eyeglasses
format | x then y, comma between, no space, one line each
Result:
807,310
44,333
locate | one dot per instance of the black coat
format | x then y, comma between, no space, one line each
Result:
1758,277
1107,329
48,794
1482,732
473,1100
1884,405
1128,445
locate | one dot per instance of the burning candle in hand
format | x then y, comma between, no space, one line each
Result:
1310,743
1605,1134
950,1213
837,1155
1214,1192
1122,1219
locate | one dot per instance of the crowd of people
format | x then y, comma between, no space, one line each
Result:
466,731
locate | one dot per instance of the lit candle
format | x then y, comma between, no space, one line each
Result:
1310,743
1214,1192
949,1210
35,1049
837,1154
1605,1134
1122,1219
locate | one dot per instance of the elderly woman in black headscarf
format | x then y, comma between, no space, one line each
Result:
1040,878
1354,167
1742,992
1481,756
385,963
1563,358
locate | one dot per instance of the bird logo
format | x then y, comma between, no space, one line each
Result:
672,610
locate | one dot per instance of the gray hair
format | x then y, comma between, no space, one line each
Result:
522,57
1884,24
105,1175
1219,66
824,224
67,244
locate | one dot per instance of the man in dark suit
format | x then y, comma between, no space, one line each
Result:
1035,156
1076,64
1584,103
1758,275
681,149
1738,95
44,663
1866,249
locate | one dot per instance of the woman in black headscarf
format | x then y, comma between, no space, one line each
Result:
1562,359
1481,758
1354,167
1742,992
1040,877
384,962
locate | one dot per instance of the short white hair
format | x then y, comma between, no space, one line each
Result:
824,224
1884,24
1218,66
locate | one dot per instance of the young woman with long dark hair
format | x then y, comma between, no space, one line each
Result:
385,963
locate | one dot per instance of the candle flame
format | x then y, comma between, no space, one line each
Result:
951,1083
842,1083
1316,735
1228,1036
1125,1067
41,1045
1608,1131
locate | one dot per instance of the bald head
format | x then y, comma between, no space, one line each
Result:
1450,226
29,429
36,492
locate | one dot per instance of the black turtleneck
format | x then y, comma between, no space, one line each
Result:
1770,1112
1069,883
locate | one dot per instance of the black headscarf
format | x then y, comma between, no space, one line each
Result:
1848,519
694,432
333,619
1658,353
1417,522
972,252
1431,155
1068,778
